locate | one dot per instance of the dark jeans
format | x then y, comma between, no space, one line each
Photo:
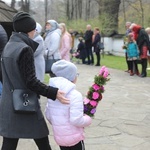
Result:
144,66
79,146
133,66
98,58
90,55
11,144
128,63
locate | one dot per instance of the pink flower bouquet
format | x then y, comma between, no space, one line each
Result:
94,95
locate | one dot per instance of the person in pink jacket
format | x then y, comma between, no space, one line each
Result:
66,42
68,121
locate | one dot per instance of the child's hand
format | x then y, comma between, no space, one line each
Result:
124,47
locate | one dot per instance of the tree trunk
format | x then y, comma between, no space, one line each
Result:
109,16
124,12
142,12
76,9
80,8
25,5
46,4
13,3
72,10
68,10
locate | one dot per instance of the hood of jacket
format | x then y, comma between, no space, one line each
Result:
54,25
62,83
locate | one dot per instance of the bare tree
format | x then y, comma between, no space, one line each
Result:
80,8
13,3
68,10
142,12
87,9
46,4
72,9
25,5
109,11
139,9
124,11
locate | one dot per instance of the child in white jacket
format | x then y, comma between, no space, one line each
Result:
68,121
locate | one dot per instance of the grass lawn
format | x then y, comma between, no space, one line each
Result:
46,78
117,62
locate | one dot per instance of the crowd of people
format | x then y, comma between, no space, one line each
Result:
137,48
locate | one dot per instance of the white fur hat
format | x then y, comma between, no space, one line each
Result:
66,69
38,28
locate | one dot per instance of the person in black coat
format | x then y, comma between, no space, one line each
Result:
18,67
143,42
96,43
3,41
88,44
81,50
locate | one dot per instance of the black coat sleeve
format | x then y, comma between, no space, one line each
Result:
143,39
27,69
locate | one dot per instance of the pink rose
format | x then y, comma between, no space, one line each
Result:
96,87
102,88
102,70
86,101
106,73
95,95
93,103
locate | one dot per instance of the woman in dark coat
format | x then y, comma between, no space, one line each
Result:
18,67
143,43
96,42
81,50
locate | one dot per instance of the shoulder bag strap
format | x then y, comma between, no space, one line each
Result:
47,55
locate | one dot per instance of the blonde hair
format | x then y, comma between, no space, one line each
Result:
147,29
63,25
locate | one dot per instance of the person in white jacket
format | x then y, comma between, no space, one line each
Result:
52,41
68,121
39,54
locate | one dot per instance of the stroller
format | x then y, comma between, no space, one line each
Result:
76,54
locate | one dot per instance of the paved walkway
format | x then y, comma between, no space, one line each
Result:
122,120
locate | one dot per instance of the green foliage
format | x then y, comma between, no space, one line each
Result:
80,25
100,80
46,78
134,14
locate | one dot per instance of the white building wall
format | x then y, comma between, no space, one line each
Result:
112,45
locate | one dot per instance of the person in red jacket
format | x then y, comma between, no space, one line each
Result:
143,42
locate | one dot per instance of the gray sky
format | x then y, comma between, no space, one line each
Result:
7,1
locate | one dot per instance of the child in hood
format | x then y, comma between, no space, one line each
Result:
133,54
68,121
